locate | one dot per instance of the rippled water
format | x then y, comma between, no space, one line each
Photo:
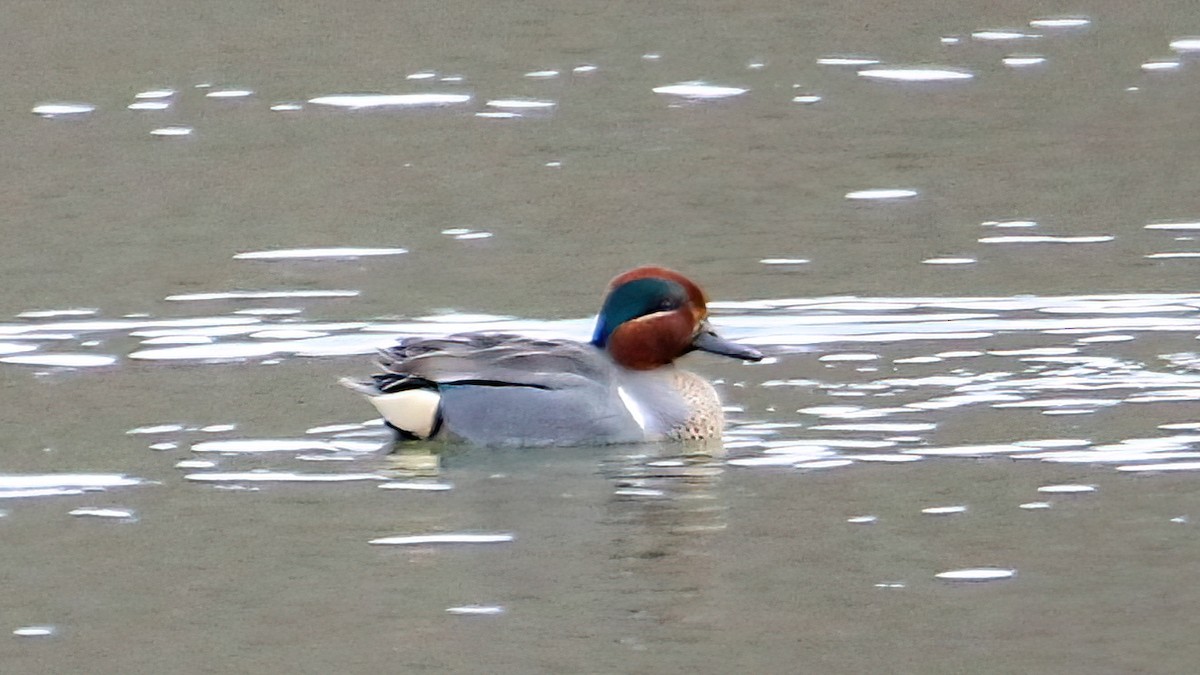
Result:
964,237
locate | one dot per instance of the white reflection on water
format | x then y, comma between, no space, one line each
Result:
977,574
269,311
1014,358
1166,466
365,101
915,74
1067,488
1173,226
1061,22
261,295
156,429
178,340
949,261
13,348
62,109
61,360
35,631
779,322
229,93
466,233
1020,61
266,476
699,90
847,61
882,193
49,313
1009,223
172,131
1047,239
520,103
195,464
446,538
998,35
13,486
1186,44
124,515
476,610
944,510
417,486
344,252
149,105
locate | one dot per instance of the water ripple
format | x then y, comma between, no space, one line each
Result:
267,476
51,110
699,90
1023,61
847,61
172,131
1186,44
377,101
977,574
1001,35
1061,22
124,515
476,610
521,103
445,538
1047,239
40,485
907,364
916,74
149,105
882,193
61,360
35,631
344,252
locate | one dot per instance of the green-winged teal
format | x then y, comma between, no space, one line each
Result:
622,387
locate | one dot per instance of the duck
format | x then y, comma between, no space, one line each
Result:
502,389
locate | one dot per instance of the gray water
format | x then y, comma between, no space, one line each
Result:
1024,317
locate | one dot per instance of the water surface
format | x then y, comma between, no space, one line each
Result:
965,237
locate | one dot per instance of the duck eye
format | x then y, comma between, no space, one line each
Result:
666,304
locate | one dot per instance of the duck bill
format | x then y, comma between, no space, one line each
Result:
707,340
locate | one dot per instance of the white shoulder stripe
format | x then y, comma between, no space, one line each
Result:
632,406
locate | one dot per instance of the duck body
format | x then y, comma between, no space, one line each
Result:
511,390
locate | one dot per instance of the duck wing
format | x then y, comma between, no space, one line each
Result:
490,360
500,389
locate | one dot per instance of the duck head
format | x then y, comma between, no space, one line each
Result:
653,315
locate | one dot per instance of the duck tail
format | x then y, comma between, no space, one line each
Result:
415,413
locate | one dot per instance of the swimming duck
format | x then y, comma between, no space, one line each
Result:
622,387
